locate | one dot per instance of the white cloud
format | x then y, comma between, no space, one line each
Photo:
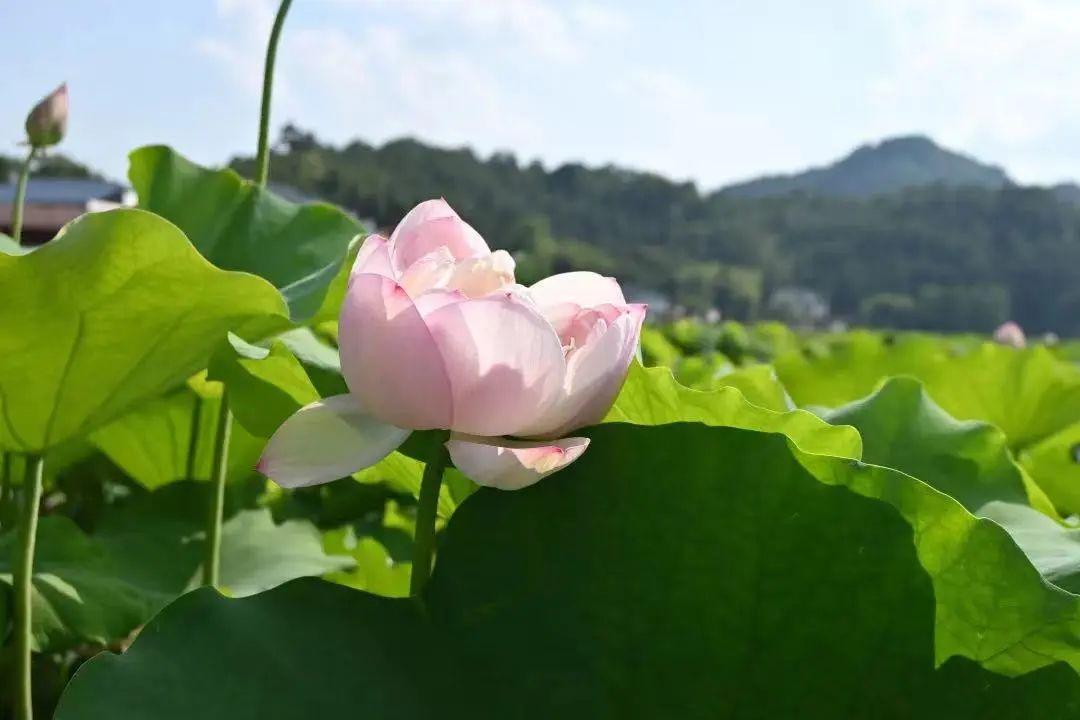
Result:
683,131
547,29
989,75
448,71
600,19
240,51
376,85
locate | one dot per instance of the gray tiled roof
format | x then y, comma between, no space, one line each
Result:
64,190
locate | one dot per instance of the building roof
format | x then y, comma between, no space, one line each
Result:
64,191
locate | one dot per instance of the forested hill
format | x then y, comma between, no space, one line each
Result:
936,256
889,166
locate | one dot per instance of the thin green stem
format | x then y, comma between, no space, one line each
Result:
212,563
262,158
24,571
426,513
5,485
20,197
193,441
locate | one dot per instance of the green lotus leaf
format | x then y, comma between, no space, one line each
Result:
152,443
652,396
1029,394
266,386
301,249
1054,463
903,428
673,571
118,309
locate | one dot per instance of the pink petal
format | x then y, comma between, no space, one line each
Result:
388,356
374,257
561,317
432,271
504,362
432,300
589,324
510,464
427,227
594,375
327,440
427,210
585,289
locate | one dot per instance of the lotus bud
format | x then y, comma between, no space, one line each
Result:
1010,334
47,122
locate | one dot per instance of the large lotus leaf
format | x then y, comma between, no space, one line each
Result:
80,592
1053,548
152,443
330,307
760,385
652,396
99,588
1054,463
903,428
851,366
256,553
239,226
117,309
700,371
1029,394
673,571
657,349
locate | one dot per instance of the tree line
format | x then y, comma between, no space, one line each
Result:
934,257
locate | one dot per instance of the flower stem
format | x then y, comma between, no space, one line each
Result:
262,159
24,571
212,562
193,441
20,197
426,513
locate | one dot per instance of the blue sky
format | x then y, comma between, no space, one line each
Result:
710,91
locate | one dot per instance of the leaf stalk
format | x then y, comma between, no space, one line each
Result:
262,157
23,578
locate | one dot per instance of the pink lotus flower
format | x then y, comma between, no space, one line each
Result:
1011,334
434,333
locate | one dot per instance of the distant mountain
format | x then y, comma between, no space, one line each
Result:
1067,192
874,169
